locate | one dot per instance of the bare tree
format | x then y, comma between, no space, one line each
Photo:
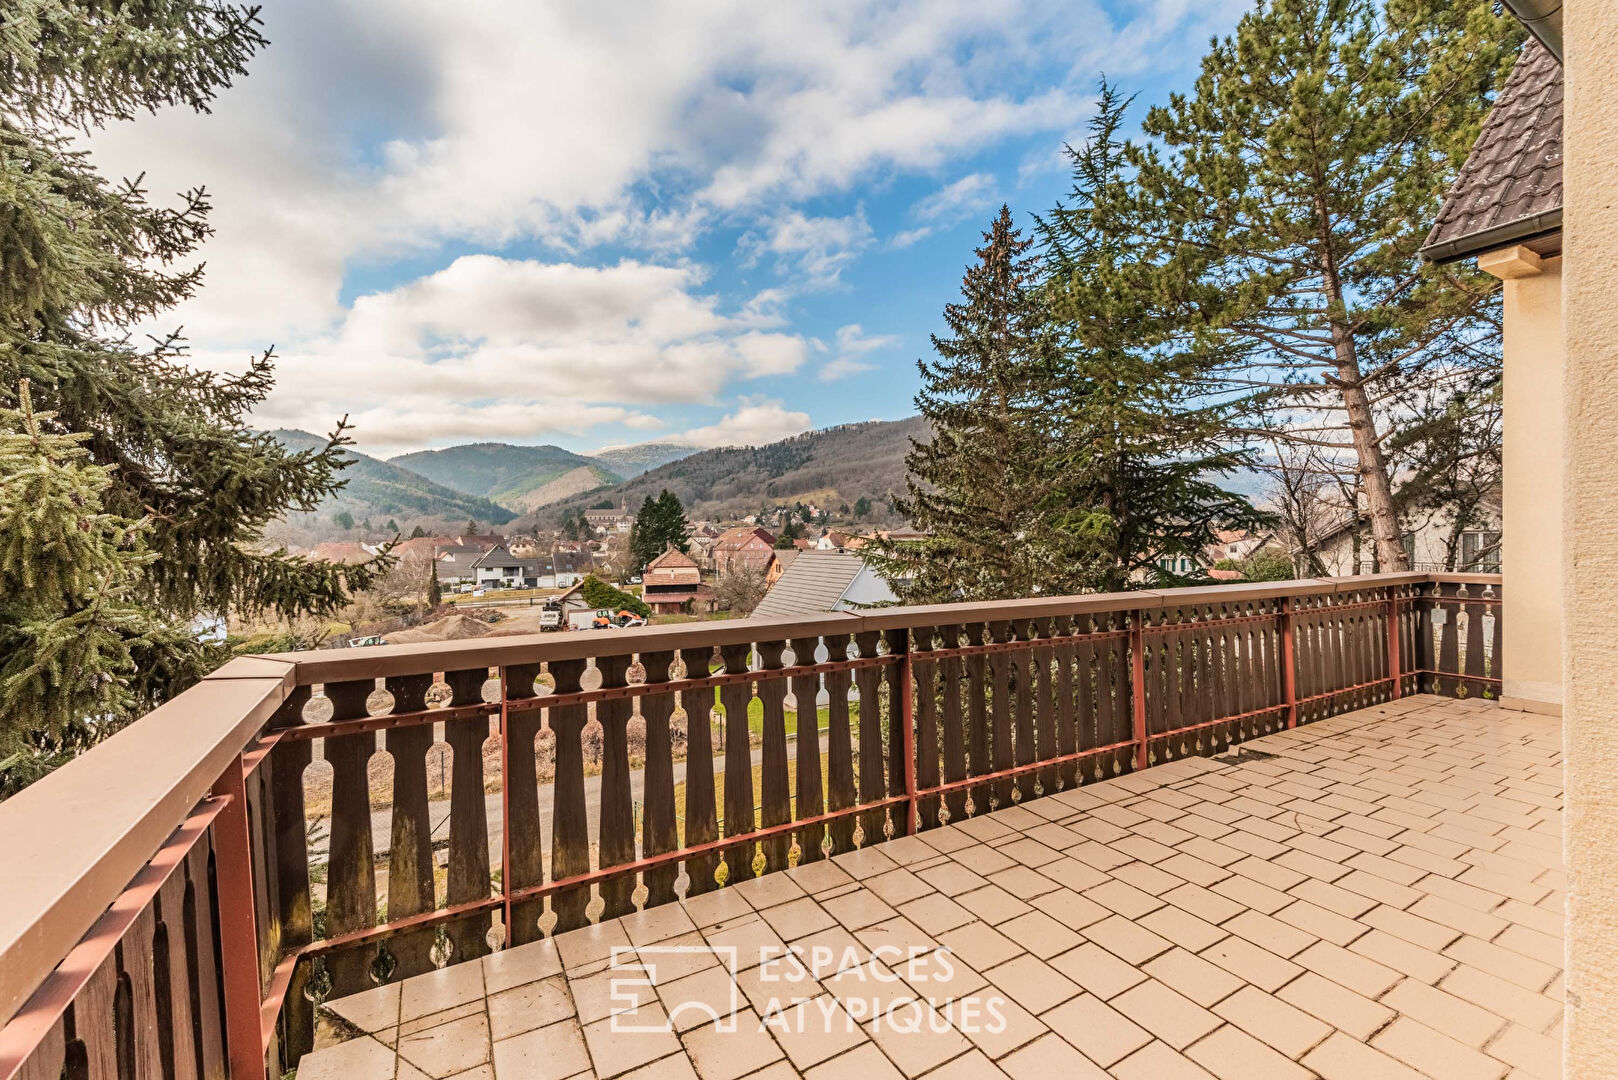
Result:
741,587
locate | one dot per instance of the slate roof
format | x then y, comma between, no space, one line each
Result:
813,584
1510,189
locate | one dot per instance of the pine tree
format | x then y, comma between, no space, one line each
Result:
82,258
659,524
1294,188
974,487
417,533
81,654
1136,453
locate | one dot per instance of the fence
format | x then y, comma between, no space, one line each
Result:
212,958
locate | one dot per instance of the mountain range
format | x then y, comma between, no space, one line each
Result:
519,478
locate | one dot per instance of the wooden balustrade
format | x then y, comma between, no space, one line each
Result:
865,725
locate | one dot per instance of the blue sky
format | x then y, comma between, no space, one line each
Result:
589,224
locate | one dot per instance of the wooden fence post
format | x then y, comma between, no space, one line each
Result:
1393,641
238,932
1289,665
907,737
1137,684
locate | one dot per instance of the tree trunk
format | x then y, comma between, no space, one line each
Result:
1373,466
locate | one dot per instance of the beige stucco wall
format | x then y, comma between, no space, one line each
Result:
1590,535
1532,501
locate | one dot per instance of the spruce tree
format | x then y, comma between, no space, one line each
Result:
82,258
81,653
1293,189
659,524
1136,452
974,487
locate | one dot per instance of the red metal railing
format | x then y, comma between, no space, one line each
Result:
921,729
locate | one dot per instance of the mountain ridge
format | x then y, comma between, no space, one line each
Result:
516,477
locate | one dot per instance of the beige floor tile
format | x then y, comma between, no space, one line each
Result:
868,991
992,904
1193,977
1097,970
1528,1052
970,1066
1401,956
1252,964
1023,882
796,918
936,913
1157,1061
357,1059
1100,1032
1182,927
618,1045
947,839
1040,934
1503,963
952,879
529,1006
730,1048
657,924
769,890
587,945
1337,1005
451,1048
1272,1021
1171,1017
897,886
525,963
1073,874
1343,1058
751,937
1127,940
896,939
1349,968
858,909
864,862
1270,933
372,1010
813,1031
1443,1012
548,1053
993,1022
916,1037
776,984
439,990
1232,1054
608,992
819,876
1031,983
437,1019
862,1061
701,998
983,859
980,945
721,905
826,952
1049,1056
1435,1054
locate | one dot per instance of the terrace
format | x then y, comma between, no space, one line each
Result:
1241,831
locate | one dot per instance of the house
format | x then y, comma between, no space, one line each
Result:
672,583
343,551
454,563
610,519
819,582
1430,543
748,546
500,568
1505,212
783,558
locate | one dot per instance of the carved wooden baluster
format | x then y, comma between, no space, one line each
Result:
1000,750
207,1002
174,978
351,874
617,803
1045,702
660,831
1474,640
954,723
1219,658
134,958
1496,656
410,856
468,817
1065,690
977,709
1091,729
701,809
897,642
811,794
1112,694
873,782
295,908
1024,750
839,747
522,826
924,701
735,698
570,826
775,788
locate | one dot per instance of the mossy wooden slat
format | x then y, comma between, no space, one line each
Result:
925,699
617,840
954,722
810,789
351,870
570,832
468,878
775,793
840,793
660,832
701,816
410,857
523,841
873,781
735,699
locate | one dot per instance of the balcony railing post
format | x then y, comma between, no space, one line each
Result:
505,810
1393,640
907,738
1137,684
1289,663
238,932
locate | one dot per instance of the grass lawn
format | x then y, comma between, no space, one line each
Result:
758,791
755,715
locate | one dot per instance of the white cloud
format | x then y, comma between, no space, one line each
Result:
493,348
756,422
853,344
816,249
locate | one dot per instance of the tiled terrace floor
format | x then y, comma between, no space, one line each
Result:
1382,897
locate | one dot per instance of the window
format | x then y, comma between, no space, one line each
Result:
1480,552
